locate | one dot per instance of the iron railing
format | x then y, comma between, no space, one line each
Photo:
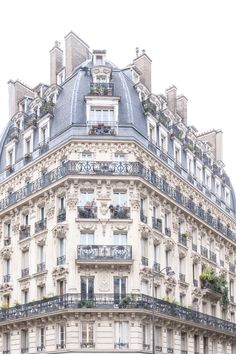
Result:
182,277
194,247
40,225
204,251
6,278
104,252
231,267
41,267
61,216
138,301
143,217
212,256
183,239
144,261
85,212
156,267
120,212
157,224
41,348
167,231
104,168
195,282
61,260
24,232
102,128
24,272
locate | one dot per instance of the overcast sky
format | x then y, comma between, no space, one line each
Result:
191,44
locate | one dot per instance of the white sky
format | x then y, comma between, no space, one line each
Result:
191,44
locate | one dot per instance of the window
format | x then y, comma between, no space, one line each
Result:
120,239
120,199
87,334
25,263
144,287
199,173
6,342
146,337
41,292
87,198
224,348
41,213
121,329
213,310
6,300
168,258
25,296
214,347
144,251
227,197
217,188
6,269
40,339
177,155
61,251
195,274
169,339
24,341
10,157
205,345
101,115
158,338
120,284
163,143
190,164
184,346
204,307
99,60
41,258
87,288
61,287
8,230
231,288
61,337
28,145
182,299
44,134
151,132
232,316
196,343
87,238
207,179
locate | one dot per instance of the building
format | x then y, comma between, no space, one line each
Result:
117,217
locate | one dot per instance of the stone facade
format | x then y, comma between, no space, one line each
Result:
112,242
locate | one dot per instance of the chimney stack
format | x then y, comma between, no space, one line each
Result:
56,62
143,63
181,107
171,98
77,51
17,90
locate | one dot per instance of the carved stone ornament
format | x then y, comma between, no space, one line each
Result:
72,202
104,282
87,227
25,246
169,244
196,293
50,212
170,281
120,227
145,231
6,252
41,281
196,258
15,227
135,204
6,287
104,208
60,270
60,231
40,240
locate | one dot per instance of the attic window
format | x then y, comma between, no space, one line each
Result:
98,60
101,115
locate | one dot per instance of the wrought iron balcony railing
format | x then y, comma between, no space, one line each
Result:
194,247
212,256
6,278
41,348
24,272
7,241
120,345
143,218
101,89
183,239
73,301
144,261
158,348
120,212
156,267
104,252
204,251
157,224
24,350
106,128
61,216
61,260
87,345
231,267
40,225
61,346
24,232
170,350
103,168
41,267
87,212
167,231
182,277
43,147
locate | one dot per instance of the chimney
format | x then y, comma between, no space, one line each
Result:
171,98
181,107
143,63
17,90
56,62
77,51
219,145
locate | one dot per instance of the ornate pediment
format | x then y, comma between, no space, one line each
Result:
60,270
60,231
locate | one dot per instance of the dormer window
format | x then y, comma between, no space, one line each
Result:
101,115
99,57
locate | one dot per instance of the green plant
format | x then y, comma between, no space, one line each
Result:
87,303
125,302
5,306
17,304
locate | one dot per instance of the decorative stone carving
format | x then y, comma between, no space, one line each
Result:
72,202
50,212
104,208
40,240
196,258
145,231
169,244
104,282
60,231
89,226
6,252
6,287
60,270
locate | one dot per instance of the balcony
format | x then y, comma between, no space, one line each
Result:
194,247
231,267
204,251
170,350
156,267
41,348
41,225
143,218
119,212
183,239
61,346
73,301
105,253
7,278
212,256
85,212
101,89
158,348
61,216
43,147
24,272
144,261
7,241
168,231
146,346
41,267
101,168
182,278
121,345
61,260
87,345
24,231
157,224
109,128
184,351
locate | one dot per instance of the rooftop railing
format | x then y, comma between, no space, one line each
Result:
136,301
104,168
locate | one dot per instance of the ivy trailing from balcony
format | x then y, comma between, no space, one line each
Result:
217,283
